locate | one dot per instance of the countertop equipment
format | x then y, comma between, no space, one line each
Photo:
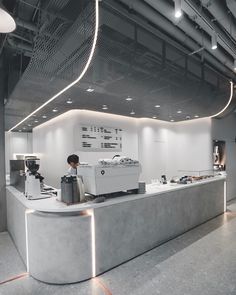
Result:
17,175
33,180
110,176
72,189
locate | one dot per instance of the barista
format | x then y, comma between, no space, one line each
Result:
73,161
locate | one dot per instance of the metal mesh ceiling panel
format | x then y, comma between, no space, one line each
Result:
61,50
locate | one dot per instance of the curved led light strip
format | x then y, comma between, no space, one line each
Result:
80,76
230,99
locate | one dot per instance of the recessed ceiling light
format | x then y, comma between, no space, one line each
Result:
36,121
20,130
196,116
90,89
44,116
179,112
157,106
7,23
129,98
132,112
69,101
24,128
104,107
29,125
154,117
172,120
55,110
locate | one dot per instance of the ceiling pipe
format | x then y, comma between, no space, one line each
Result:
26,25
188,27
20,37
204,21
19,45
176,33
232,6
217,9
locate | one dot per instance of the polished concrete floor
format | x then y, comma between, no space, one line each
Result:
201,262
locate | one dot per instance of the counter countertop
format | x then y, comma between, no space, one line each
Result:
54,206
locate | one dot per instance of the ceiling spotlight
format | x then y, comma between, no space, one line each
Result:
214,41
55,110
69,101
29,125
104,107
129,98
44,116
178,10
90,89
196,116
132,112
179,112
172,120
154,117
157,106
36,121
7,23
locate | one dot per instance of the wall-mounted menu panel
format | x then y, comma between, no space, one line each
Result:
97,138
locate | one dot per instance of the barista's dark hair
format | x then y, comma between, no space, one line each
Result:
73,158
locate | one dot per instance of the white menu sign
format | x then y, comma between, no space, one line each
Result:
97,138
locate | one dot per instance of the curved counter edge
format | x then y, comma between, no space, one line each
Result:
72,246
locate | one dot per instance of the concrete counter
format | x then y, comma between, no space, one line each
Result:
64,244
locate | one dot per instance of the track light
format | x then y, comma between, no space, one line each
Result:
178,10
214,41
7,23
235,65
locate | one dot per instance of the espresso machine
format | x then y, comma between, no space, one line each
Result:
33,179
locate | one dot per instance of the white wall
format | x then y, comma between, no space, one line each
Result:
224,129
166,148
153,148
190,146
16,143
161,147
57,138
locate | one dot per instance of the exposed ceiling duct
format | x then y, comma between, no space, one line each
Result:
178,31
210,27
221,15
188,27
232,6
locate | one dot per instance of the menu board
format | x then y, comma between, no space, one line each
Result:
97,138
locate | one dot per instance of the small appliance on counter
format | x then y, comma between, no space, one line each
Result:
33,180
72,189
